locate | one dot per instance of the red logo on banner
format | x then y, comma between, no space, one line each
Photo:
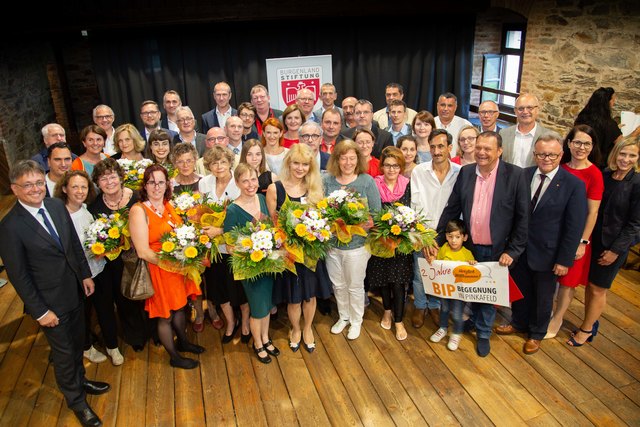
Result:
290,88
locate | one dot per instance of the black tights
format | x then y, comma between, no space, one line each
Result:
176,322
393,296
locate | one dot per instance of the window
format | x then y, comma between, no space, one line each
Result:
503,71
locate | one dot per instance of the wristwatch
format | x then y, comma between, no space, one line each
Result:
585,241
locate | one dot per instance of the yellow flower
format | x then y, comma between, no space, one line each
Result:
116,216
179,211
297,213
398,204
140,176
196,196
360,205
301,230
325,233
114,233
322,204
257,256
97,248
420,228
310,237
352,206
102,219
168,246
204,239
263,227
246,242
191,212
386,217
395,229
191,252
280,235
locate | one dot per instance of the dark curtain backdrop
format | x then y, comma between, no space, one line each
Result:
427,55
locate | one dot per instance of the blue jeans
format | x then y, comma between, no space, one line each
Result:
420,299
455,307
483,314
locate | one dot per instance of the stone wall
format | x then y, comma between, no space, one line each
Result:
574,47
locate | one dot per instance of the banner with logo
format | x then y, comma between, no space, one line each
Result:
484,282
285,76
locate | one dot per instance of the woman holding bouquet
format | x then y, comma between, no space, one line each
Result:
129,143
392,275
149,221
114,197
300,181
250,206
184,157
220,187
346,264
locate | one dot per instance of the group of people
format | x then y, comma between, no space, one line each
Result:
549,208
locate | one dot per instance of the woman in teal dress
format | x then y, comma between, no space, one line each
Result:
247,207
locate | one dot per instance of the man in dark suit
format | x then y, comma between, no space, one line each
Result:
493,198
364,119
47,266
558,211
151,117
217,117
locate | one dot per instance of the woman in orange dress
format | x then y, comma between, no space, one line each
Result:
148,221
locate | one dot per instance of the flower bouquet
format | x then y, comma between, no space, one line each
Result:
185,250
134,172
307,232
398,229
185,203
108,235
257,249
346,211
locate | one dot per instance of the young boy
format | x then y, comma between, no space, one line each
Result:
453,250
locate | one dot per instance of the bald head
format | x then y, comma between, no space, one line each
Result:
488,112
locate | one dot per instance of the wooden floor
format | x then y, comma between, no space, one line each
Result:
374,380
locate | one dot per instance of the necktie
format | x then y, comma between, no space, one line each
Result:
52,230
534,201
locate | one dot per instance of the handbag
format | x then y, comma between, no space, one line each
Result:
136,281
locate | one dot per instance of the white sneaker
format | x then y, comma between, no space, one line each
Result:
339,326
438,335
454,342
94,355
116,356
354,332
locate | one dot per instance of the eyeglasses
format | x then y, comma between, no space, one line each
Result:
185,162
528,108
542,156
157,184
579,144
105,117
309,136
247,115
393,167
149,113
185,120
469,138
109,178
31,185
487,112
220,163
216,138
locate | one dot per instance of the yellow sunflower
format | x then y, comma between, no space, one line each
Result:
97,248
168,246
301,230
114,233
395,229
257,256
297,213
191,252
386,217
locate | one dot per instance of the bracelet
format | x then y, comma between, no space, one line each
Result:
584,241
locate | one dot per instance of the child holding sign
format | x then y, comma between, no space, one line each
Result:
453,250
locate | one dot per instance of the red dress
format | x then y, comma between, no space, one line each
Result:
374,167
579,272
171,289
287,143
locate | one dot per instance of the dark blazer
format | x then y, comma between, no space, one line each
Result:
619,217
556,225
172,134
324,159
210,119
509,209
200,142
44,277
383,139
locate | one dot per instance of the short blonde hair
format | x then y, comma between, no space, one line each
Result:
241,169
627,142
138,141
216,153
342,147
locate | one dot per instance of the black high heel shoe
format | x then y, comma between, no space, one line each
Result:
309,347
266,359
227,338
274,352
572,341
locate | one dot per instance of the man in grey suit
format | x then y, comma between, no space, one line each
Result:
217,117
518,140
47,266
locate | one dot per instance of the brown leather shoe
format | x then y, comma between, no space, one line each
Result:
506,330
417,319
531,346
435,316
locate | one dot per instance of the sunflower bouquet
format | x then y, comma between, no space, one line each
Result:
258,250
307,232
185,250
134,172
398,229
185,203
346,212
108,235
